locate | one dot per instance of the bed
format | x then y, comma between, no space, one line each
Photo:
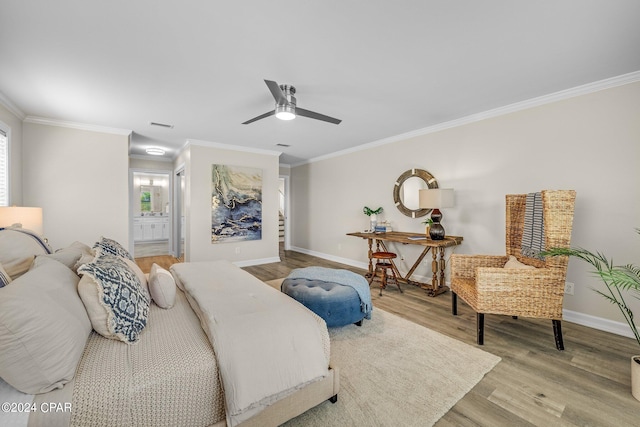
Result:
226,349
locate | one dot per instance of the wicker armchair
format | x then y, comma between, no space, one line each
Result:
483,283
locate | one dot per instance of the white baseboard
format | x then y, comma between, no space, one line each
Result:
618,328
602,324
346,261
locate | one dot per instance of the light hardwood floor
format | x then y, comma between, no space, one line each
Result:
587,384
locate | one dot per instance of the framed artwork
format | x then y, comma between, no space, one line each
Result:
236,203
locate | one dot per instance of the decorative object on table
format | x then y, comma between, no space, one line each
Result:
617,279
489,286
405,191
373,217
435,199
427,225
384,227
28,218
236,203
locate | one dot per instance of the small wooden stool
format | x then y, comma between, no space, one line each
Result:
383,263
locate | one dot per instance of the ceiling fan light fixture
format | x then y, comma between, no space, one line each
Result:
285,112
155,151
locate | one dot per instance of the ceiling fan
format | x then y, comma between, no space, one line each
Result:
286,108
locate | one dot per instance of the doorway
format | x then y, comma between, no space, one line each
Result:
179,217
284,237
151,210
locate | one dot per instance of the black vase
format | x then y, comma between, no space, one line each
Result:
436,231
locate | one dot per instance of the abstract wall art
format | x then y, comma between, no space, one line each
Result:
236,203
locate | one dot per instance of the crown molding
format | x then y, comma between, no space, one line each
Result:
231,147
81,126
6,102
496,112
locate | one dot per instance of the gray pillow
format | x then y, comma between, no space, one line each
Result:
18,248
70,255
43,328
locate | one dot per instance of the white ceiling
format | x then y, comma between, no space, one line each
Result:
385,68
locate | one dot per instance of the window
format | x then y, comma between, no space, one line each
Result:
4,168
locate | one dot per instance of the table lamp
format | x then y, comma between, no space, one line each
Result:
436,198
28,218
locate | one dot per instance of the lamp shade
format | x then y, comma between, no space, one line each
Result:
29,218
436,198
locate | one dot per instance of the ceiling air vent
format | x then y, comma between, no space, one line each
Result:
283,145
162,125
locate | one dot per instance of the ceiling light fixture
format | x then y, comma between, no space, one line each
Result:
155,151
286,111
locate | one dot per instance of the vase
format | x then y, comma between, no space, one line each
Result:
373,221
635,376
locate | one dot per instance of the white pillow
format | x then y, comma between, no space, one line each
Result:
162,287
115,300
514,263
18,248
43,328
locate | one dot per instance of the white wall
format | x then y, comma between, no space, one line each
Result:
15,154
80,179
150,164
590,143
198,246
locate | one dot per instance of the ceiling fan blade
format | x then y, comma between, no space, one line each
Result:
261,116
277,93
317,116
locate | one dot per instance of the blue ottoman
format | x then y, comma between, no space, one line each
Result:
338,305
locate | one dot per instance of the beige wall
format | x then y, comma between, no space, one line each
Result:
589,143
149,164
80,179
14,124
198,247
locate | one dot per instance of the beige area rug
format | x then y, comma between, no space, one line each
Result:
396,373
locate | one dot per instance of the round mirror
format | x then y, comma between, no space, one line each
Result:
405,191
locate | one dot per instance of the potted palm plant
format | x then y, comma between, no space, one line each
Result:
427,224
618,279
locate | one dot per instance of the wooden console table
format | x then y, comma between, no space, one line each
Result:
437,264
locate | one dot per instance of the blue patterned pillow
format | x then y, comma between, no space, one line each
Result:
123,305
109,246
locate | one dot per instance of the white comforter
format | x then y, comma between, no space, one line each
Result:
267,345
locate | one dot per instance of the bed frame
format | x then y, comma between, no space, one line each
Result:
297,403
